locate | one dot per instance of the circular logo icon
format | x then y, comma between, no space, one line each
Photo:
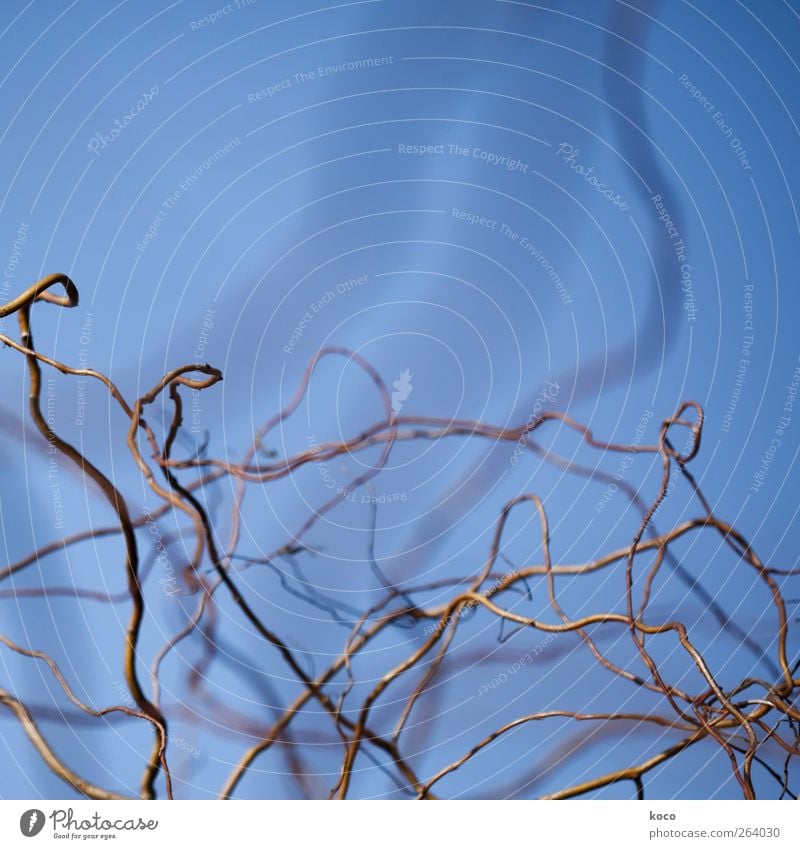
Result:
31,822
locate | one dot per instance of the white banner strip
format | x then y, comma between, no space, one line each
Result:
351,825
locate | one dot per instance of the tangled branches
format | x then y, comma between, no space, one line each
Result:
690,701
